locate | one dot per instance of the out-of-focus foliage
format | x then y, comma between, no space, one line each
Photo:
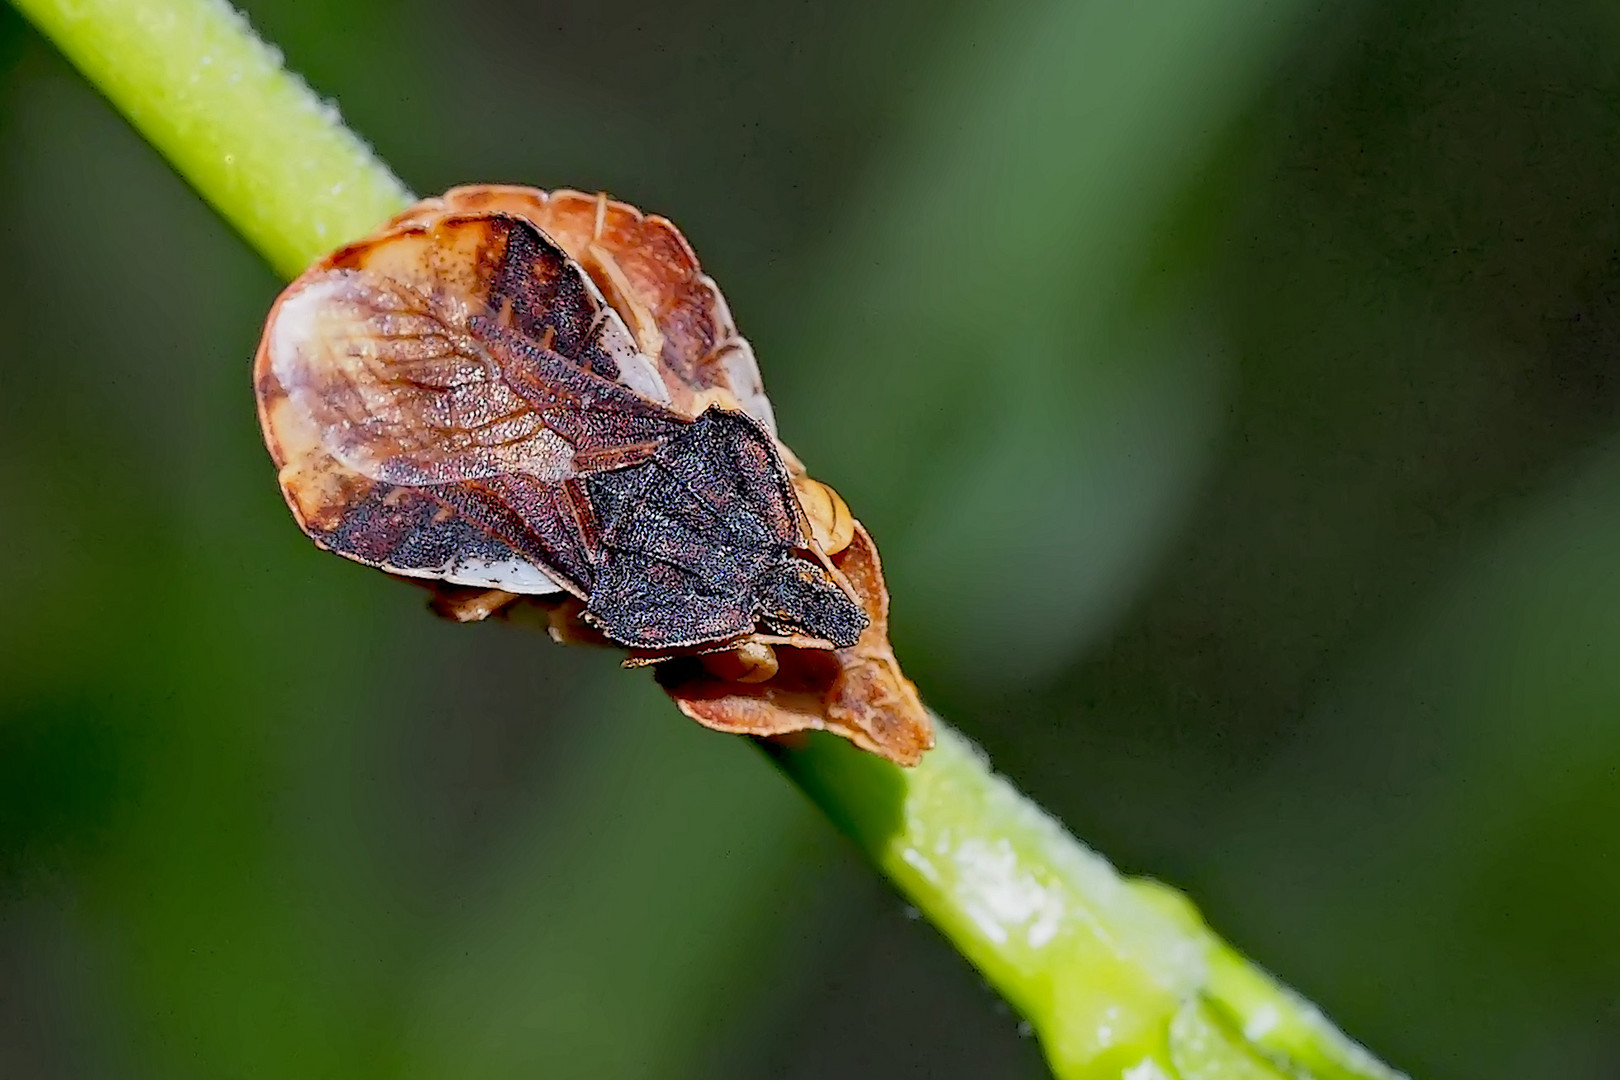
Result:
1229,386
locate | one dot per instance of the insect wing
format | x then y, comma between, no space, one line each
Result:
430,394
648,272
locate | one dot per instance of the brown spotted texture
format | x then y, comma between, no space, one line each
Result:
648,272
503,377
857,692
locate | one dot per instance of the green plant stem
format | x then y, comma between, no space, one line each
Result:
274,159
1114,974
1118,977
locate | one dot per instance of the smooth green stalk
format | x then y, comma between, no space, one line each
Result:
268,154
1117,977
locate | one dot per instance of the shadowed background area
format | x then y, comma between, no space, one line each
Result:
1231,387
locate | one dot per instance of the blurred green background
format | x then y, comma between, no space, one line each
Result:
1230,385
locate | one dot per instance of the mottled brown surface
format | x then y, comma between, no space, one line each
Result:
649,273
505,377
857,692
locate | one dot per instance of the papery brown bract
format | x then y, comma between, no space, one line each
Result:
626,354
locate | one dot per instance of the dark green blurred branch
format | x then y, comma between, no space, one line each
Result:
1118,977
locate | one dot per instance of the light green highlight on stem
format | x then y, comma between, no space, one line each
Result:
1117,977
273,158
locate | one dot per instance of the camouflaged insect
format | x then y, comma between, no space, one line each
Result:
529,399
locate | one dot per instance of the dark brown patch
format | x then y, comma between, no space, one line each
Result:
857,692
696,545
546,292
409,529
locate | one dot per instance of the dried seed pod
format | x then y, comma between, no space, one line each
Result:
512,395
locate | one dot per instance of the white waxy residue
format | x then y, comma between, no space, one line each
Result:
1002,897
920,863
1144,1070
1261,1022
